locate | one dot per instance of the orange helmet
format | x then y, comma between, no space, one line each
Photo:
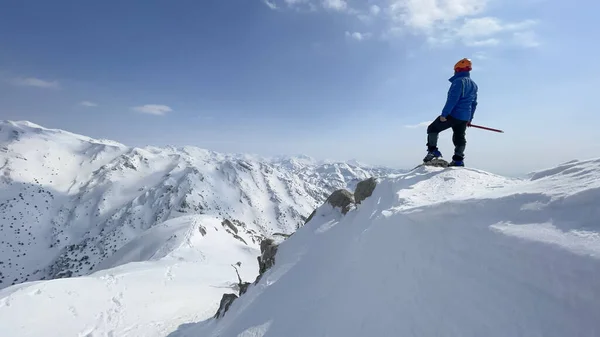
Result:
463,65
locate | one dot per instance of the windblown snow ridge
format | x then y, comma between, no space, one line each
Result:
436,252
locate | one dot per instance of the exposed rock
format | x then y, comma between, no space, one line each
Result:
282,235
341,198
245,165
240,238
226,223
268,248
266,260
202,230
244,287
364,189
226,302
310,216
437,162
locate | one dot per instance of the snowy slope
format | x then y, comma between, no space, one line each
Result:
71,205
437,252
179,281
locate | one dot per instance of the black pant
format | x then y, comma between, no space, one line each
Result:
459,129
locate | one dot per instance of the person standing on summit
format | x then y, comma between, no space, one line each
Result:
457,114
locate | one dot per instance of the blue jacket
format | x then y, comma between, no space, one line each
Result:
462,97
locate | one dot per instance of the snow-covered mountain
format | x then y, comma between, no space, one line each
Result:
430,252
71,205
436,252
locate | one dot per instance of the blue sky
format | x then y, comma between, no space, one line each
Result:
337,79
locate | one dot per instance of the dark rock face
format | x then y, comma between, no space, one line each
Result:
268,248
226,302
437,162
310,216
342,199
364,189
266,260
244,287
228,224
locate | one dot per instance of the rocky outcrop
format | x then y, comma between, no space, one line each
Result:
310,216
345,200
437,163
364,189
266,260
226,302
228,224
341,198
244,287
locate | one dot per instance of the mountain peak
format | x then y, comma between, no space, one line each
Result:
74,203
166,235
493,256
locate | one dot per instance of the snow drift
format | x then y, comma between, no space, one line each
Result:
437,252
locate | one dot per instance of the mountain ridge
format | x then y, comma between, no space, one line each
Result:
68,201
435,252
429,252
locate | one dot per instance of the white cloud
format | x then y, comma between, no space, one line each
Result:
526,39
153,109
88,104
35,82
480,55
439,22
482,43
338,5
420,125
445,22
358,36
479,32
426,14
477,27
270,4
374,9
484,31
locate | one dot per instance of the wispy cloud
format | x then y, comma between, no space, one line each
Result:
35,82
270,4
483,43
337,5
439,22
374,9
486,26
420,125
489,31
480,55
153,109
526,39
426,15
88,104
358,36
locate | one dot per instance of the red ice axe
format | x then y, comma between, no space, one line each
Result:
485,128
